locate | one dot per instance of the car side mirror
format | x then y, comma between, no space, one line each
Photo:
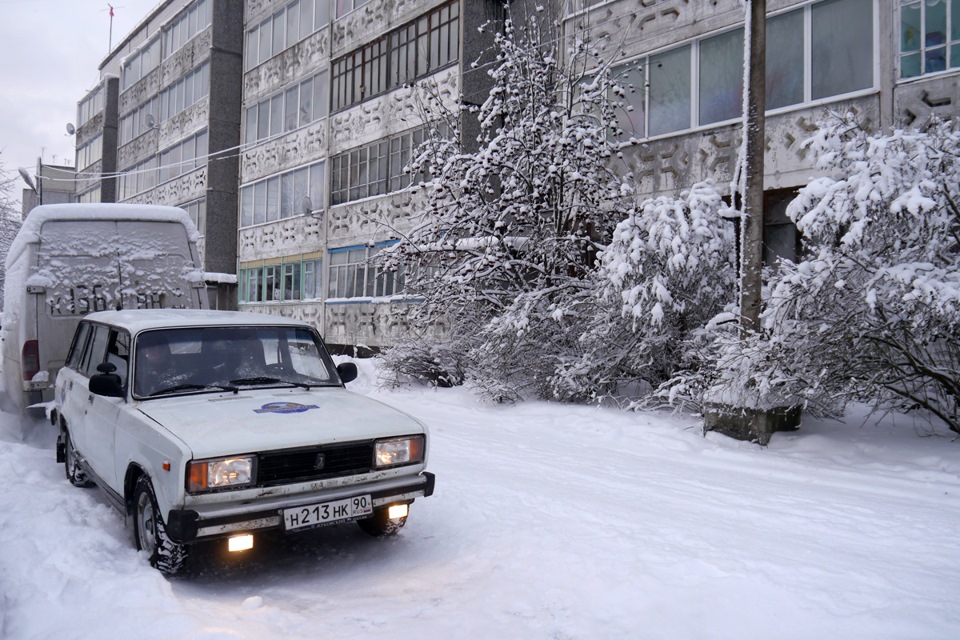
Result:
347,372
106,383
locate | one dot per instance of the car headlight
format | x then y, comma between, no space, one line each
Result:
398,451
220,473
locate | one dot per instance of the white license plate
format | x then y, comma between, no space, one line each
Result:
327,512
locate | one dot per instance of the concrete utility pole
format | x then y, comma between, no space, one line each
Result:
748,422
751,250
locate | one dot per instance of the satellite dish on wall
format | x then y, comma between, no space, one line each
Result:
150,121
71,129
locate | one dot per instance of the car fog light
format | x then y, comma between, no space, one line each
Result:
397,511
240,543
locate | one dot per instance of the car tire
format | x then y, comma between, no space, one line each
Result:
380,525
150,533
76,475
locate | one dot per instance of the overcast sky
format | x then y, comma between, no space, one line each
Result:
50,54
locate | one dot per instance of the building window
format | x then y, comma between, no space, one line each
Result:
90,152
375,169
285,28
138,65
282,195
183,157
90,106
670,91
841,47
197,210
294,107
93,195
138,178
289,280
185,92
346,6
354,273
186,25
826,46
405,54
138,122
929,36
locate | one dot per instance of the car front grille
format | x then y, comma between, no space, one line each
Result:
315,463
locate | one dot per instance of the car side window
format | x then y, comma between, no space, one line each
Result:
96,350
118,353
77,348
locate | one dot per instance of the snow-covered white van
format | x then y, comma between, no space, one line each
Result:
69,260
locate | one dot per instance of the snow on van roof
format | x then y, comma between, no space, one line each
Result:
135,320
30,230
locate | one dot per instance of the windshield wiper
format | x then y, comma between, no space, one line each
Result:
268,380
194,387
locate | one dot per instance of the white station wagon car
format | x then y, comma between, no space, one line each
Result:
202,425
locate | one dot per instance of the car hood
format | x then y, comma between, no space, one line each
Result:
268,419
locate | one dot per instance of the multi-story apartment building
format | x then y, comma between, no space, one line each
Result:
96,141
309,110
178,117
892,63
330,120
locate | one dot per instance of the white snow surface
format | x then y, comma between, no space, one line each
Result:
549,521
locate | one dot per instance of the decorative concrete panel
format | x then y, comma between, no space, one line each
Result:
139,149
90,129
257,10
310,312
185,59
183,189
300,61
374,19
373,219
367,324
394,112
669,165
636,27
915,103
186,123
285,152
140,92
287,237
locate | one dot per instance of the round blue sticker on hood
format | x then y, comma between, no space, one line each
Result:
285,407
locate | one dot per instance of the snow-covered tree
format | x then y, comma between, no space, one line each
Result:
512,224
873,310
668,271
9,220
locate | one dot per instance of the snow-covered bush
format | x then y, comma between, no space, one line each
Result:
512,223
873,309
669,269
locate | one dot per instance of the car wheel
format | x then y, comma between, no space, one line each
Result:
71,467
150,533
380,525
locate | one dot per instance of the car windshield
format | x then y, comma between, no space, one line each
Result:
196,359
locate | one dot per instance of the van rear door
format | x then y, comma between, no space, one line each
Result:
77,273
156,260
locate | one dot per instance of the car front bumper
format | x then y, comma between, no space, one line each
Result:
189,525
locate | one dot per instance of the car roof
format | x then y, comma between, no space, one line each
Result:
136,320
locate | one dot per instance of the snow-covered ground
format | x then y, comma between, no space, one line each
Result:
549,521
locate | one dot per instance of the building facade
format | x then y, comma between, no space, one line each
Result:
331,114
891,63
284,126
178,117
96,142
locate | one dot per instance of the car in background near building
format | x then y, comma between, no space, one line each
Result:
204,425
